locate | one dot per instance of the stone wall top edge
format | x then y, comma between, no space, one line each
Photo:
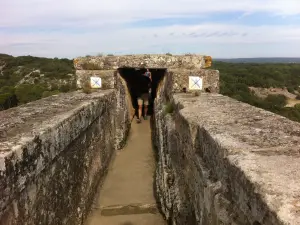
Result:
262,128
95,71
261,144
146,60
142,56
192,70
18,124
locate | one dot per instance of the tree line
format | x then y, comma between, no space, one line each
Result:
236,78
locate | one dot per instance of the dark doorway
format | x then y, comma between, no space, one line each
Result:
132,78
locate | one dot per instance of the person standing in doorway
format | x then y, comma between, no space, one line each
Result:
148,74
143,96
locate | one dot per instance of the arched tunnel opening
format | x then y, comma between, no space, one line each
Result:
133,78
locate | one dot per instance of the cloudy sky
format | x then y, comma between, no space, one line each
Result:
220,28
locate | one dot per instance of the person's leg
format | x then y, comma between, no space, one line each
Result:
140,111
140,104
146,103
146,111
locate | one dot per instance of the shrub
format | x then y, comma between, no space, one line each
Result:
54,87
275,101
87,88
3,98
7,90
64,88
29,92
297,106
169,108
290,89
49,93
197,93
35,74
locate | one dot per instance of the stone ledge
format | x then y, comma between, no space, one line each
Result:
35,117
137,61
261,146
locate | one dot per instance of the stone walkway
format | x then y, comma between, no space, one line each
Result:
126,197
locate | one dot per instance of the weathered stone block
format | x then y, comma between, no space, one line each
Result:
55,153
180,79
107,78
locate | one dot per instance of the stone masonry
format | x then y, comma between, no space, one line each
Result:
221,161
188,61
55,152
181,67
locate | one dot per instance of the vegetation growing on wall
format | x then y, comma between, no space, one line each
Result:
169,108
236,78
87,88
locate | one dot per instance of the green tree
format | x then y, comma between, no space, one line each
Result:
297,106
49,93
275,101
29,92
64,88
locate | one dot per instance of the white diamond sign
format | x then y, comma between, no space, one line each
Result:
96,82
195,83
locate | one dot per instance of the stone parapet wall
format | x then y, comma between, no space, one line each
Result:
54,152
179,66
180,78
124,112
138,61
221,161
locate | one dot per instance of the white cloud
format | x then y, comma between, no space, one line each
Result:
100,27
180,39
76,12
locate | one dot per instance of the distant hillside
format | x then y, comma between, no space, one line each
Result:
260,60
27,78
271,86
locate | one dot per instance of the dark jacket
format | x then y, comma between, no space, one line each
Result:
144,85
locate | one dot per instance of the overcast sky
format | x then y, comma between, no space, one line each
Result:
220,28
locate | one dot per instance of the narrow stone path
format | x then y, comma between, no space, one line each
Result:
127,196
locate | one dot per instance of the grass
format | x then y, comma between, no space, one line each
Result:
197,93
169,108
